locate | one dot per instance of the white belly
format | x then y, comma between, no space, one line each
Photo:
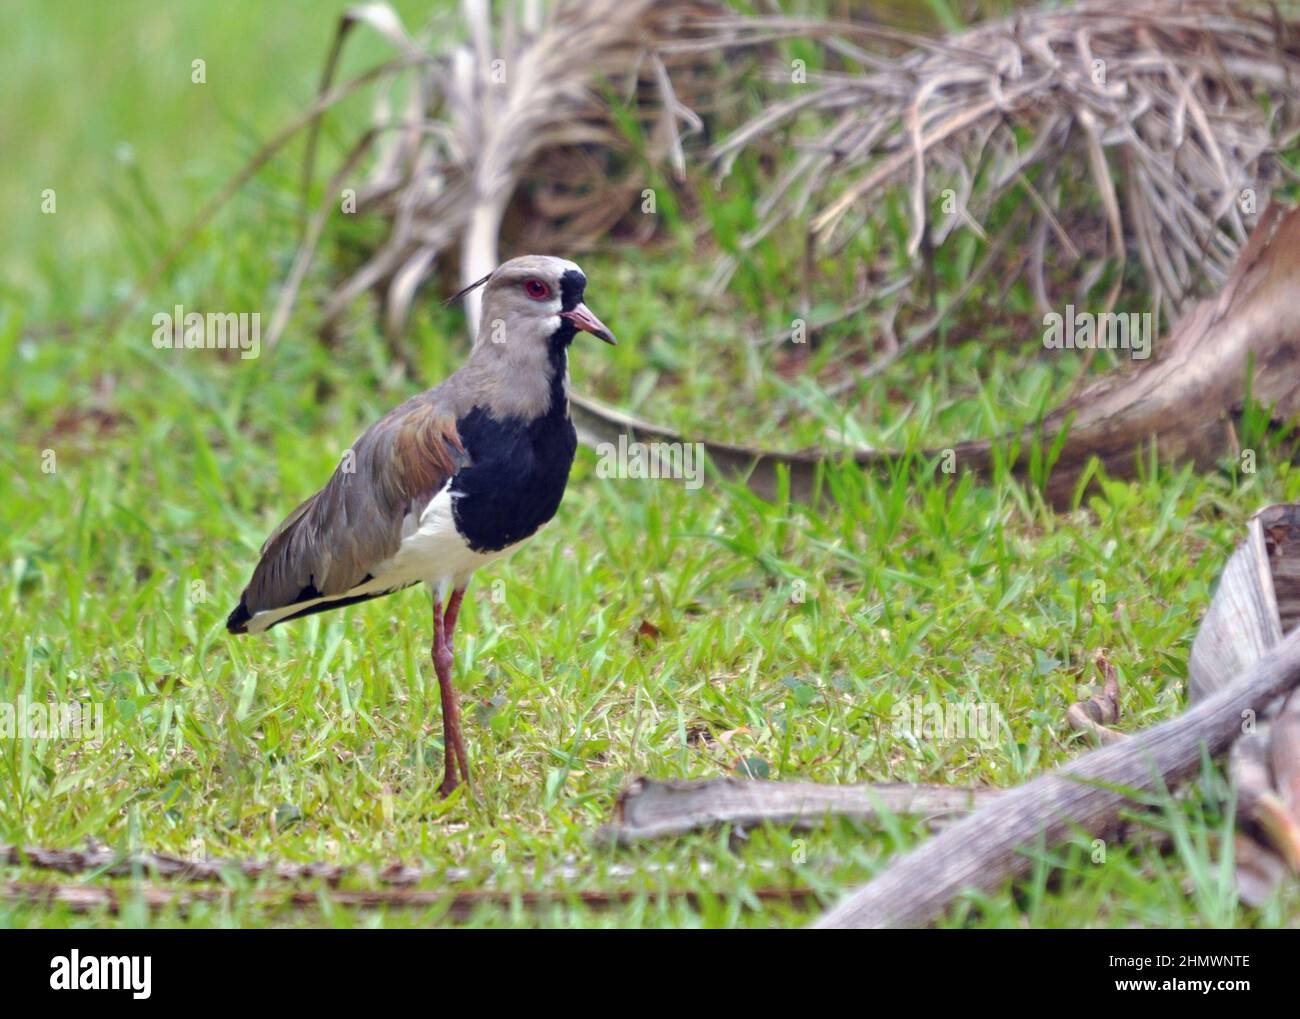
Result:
431,552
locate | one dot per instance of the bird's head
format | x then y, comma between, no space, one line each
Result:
537,299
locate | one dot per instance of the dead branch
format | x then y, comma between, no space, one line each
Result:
987,848
650,809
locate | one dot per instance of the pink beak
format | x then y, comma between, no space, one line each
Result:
585,319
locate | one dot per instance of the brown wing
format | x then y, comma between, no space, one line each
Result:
330,543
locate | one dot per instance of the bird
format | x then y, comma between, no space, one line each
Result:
451,480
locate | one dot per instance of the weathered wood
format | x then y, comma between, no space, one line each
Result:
1249,613
983,850
1242,622
650,809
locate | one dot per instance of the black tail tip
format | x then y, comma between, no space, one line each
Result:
237,621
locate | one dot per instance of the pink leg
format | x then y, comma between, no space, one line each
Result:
453,741
453,612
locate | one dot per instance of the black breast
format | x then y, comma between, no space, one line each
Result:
516,479
518,468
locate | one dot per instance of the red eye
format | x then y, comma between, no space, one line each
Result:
537,290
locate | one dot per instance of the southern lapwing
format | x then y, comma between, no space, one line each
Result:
449,481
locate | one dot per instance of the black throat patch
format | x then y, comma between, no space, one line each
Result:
572,285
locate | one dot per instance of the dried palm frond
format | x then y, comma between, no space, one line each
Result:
1172,110
518,98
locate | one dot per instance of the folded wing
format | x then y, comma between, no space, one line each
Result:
326,551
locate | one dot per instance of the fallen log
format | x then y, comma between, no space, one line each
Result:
987,848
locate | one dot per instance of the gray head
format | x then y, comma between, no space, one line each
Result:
537,297
532,309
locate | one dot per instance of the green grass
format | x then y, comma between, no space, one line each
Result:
787,632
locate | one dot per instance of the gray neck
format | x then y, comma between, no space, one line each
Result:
515,374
